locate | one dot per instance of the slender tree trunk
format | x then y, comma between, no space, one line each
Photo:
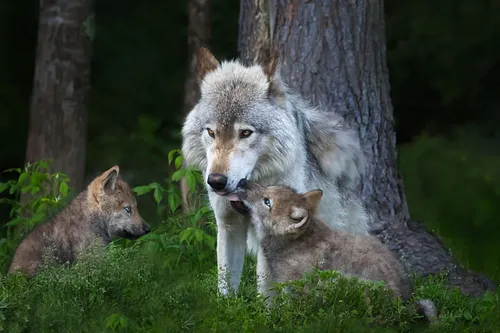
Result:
58,118
334,53
199,34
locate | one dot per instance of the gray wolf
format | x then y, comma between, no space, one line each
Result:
247,124
105,209
294,241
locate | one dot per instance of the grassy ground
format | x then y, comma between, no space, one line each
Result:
166,282
160,284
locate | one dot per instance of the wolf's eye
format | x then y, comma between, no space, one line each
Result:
245,134
127,209
267,202
211,132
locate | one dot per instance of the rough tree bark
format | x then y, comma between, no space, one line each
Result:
199,34
333,52
58,120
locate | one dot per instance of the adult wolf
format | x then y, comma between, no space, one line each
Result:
247,124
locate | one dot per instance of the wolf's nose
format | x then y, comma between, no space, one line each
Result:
147,229
217,181
243,183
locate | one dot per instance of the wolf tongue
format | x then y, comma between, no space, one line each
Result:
232,197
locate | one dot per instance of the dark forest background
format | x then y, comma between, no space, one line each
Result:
444,63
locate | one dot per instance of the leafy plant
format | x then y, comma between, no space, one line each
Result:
198,230
34,195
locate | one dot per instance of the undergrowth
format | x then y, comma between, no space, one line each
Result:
134,289
167,282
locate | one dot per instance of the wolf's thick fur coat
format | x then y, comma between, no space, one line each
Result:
290,143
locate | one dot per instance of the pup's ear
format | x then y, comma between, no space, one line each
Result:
108,180
313,198
276,90
206,62
300,217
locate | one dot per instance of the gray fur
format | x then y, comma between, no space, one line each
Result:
292,144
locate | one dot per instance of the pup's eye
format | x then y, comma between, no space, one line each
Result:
245,134
267,202
128,209
211,132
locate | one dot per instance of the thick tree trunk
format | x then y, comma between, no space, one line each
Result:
199,34
58,119
333,52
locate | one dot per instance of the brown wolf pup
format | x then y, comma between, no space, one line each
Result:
294,241
106,209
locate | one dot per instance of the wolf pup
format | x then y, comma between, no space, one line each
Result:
294,241
106,209
247,124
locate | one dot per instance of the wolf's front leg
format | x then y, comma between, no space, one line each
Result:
231,248
264,280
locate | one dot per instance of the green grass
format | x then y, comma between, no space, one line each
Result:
157,285
166,282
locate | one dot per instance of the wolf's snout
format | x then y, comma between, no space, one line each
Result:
243,183
217,181
147,228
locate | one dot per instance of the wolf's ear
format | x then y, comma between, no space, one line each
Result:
276,90
300,217
313,198
206,62
109,178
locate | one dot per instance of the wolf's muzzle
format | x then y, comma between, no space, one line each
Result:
217,181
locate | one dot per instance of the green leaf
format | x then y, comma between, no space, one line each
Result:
22,177
155,185
186,234
178,161
15,221
190,181
63,189
18,170
177,176
171,155
199,235
141,190
158,195
174,201
4,186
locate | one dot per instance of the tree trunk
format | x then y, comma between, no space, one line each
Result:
58,118
333,52
199,34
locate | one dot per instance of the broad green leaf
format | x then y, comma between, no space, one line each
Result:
63,188
140,190
158,195
178,161
171,155
177,176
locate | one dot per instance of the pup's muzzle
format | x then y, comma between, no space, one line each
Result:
239,206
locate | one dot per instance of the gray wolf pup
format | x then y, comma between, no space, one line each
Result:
247,124
294,241
106,209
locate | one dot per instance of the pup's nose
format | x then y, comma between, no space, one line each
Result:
217,181
147,229
243,183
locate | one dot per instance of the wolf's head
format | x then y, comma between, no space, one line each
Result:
116,203
240,128
278,210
